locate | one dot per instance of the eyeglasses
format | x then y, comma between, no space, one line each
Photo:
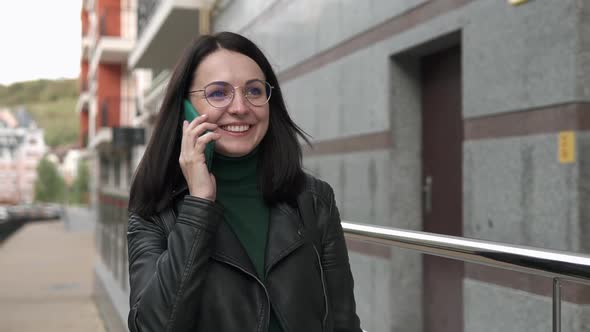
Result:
221,94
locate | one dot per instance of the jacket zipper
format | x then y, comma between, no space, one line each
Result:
323,287
267,320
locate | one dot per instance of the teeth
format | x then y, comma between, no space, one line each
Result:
236,129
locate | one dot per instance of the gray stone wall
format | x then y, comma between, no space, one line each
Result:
583,186
516,58
491,308
296,30
515,190
583,49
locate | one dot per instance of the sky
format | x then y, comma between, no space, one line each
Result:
39,39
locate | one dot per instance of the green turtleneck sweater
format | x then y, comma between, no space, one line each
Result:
244,209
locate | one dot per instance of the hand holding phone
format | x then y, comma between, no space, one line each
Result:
196,153
190,113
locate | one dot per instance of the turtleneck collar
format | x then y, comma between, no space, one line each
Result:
236,173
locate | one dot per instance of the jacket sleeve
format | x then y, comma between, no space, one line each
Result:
167,272
337,271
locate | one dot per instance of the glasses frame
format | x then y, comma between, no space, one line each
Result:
241,87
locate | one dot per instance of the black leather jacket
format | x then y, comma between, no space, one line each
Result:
189,272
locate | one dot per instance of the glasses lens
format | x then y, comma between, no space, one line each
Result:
219,94
257,92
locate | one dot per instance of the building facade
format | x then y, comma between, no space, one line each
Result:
107,100
107,106
22,146
467,118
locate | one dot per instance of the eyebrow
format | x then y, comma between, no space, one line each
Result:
248,81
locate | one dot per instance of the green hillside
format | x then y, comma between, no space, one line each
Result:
52,103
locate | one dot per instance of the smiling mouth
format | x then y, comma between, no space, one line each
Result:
236,128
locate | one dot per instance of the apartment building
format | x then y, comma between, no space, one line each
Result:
21,148
107,107
107,102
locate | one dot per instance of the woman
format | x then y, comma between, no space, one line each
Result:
253,244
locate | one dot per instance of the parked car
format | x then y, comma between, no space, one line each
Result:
51,211
17,212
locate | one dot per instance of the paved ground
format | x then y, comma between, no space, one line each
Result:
79,219
46,278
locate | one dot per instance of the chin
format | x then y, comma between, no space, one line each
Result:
234,151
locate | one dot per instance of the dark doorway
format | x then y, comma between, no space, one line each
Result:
442,180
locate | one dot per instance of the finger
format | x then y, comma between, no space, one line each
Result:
203,140
197,121
184,142
188,130
202,129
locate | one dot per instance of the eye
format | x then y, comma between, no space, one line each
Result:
254,91
217,92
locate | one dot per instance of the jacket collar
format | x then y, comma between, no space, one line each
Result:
229,249
284,236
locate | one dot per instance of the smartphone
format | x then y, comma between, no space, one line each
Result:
190,113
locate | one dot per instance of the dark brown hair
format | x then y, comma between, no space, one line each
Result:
280,174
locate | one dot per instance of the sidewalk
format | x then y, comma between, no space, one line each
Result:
46,280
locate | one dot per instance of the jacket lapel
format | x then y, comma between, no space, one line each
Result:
229,249
285,234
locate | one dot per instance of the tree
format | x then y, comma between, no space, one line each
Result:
50,186
80,187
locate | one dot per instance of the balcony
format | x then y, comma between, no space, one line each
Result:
109,115
88,5
83,79
84,17
116,36
86,42
164,28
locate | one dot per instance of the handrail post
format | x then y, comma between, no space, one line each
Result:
556,305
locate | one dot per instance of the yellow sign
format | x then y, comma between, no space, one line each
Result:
517,2
567,147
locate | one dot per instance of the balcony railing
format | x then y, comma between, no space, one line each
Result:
553,264
145,11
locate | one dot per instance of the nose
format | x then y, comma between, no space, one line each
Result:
239,105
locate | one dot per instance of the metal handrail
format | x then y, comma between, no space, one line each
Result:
548,263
